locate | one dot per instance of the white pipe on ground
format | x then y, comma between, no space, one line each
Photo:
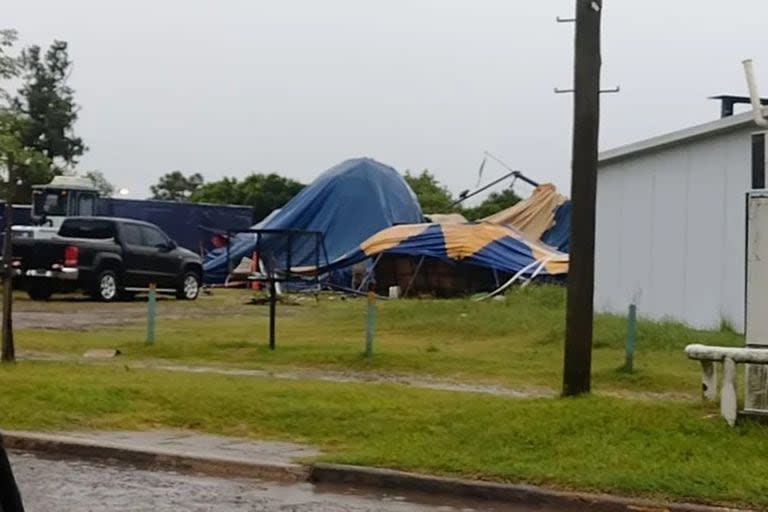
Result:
754,95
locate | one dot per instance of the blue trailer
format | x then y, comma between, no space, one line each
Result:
22,214
192,225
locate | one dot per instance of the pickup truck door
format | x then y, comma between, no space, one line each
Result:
160,261
134,255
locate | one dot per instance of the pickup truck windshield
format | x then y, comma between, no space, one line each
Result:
87,228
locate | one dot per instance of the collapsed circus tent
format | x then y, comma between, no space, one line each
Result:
346,204
491,246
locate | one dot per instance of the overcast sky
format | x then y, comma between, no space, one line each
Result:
294,86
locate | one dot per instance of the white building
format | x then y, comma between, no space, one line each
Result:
671,223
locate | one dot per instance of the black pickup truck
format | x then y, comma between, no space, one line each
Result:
107,258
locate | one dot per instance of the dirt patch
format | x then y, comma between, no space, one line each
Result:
75,321
74,313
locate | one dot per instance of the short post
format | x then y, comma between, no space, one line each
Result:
151,314
728,399
370,326
708,380
272,307
629,355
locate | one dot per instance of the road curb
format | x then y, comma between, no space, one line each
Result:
527,496
185,462
524,495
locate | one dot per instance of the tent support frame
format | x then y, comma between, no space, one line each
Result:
538,265
270,276
370,272
414,276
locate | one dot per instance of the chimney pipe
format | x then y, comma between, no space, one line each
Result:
754,95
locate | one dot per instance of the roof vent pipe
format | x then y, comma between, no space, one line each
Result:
757,108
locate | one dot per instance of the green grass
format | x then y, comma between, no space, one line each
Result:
678,450
516,342
673,450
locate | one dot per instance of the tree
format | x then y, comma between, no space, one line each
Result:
13,155
223,191
16,154
48,102
103,185
175,186
264,192
10,151
13,152
433,197
494,203
268,192
9,65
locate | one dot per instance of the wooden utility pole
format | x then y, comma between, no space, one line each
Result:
8,350
581,271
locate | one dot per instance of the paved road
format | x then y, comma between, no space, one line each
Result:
50,485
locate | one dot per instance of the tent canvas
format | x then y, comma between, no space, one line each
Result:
347,204
545,216
492,246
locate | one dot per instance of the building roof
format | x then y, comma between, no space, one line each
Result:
69,182
724,125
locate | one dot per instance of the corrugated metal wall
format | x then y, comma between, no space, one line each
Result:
671,232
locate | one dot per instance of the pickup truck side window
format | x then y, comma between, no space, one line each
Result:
153,237
131,234
87,228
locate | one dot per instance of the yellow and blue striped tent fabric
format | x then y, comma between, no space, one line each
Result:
545,216
492,246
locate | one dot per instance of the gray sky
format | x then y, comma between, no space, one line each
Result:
231,86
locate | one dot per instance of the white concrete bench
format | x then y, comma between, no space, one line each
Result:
729,357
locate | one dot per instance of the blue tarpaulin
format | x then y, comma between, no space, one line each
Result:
559,235
192,225
347,204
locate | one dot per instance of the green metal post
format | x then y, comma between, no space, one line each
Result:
151,314
371,322
629,361
272,311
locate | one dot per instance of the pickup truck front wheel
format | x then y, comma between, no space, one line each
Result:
106,288
190,287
